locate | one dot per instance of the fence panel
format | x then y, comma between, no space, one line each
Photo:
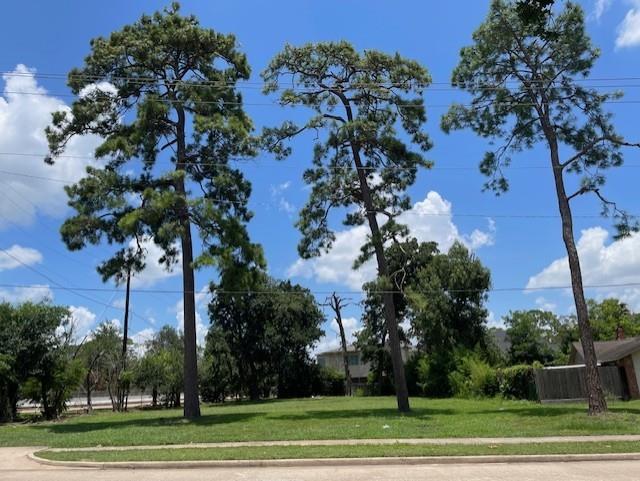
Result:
569,383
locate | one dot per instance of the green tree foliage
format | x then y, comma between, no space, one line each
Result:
161,93
448,301
441,296
262,339
37,358
91,356
536,13
533,336
526,83
609,315
104,350
405,260
474,377
150,375
361,103
160,370
219,376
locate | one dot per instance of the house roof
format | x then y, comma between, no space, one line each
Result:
610,351
350,348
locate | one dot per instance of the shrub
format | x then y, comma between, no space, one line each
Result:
473,378
411,374
331,382
518,382
432,374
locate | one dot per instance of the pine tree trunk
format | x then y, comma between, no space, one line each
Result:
400,382
191,398
540,100
595,394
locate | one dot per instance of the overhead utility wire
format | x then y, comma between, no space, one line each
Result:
261,84
287,104
432,214
320,292
58,286
260,162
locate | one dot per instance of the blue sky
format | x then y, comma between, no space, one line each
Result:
52,37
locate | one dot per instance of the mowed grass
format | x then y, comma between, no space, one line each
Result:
326,418
361,451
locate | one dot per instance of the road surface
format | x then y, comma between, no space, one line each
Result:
14,466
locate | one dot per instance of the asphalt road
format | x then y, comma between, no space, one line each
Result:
14,466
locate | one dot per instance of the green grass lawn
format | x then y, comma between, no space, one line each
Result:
328,418
299,452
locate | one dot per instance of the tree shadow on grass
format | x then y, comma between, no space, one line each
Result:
155,422
543,411
327,415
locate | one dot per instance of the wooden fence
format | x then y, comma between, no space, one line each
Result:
569,383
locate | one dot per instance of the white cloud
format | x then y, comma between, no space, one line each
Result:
616,263
83,320
331,339
600,7
18,256
492,321
629,29
277,194
545,305
140,339
154,271
285,206
115,323
428,220
23,118
34,293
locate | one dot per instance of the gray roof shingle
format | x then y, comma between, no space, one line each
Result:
609,351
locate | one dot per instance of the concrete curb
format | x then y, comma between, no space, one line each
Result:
359,442
288,463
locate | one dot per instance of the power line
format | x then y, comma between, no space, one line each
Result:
74,290
261,84
58,252
38,177
261,163
325,293
427,214
287,104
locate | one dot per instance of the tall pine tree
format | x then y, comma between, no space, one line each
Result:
361,103
162,95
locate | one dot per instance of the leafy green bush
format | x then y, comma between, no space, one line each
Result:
331,382
54,387
411,368
6,378
432,374
518,382
473,378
